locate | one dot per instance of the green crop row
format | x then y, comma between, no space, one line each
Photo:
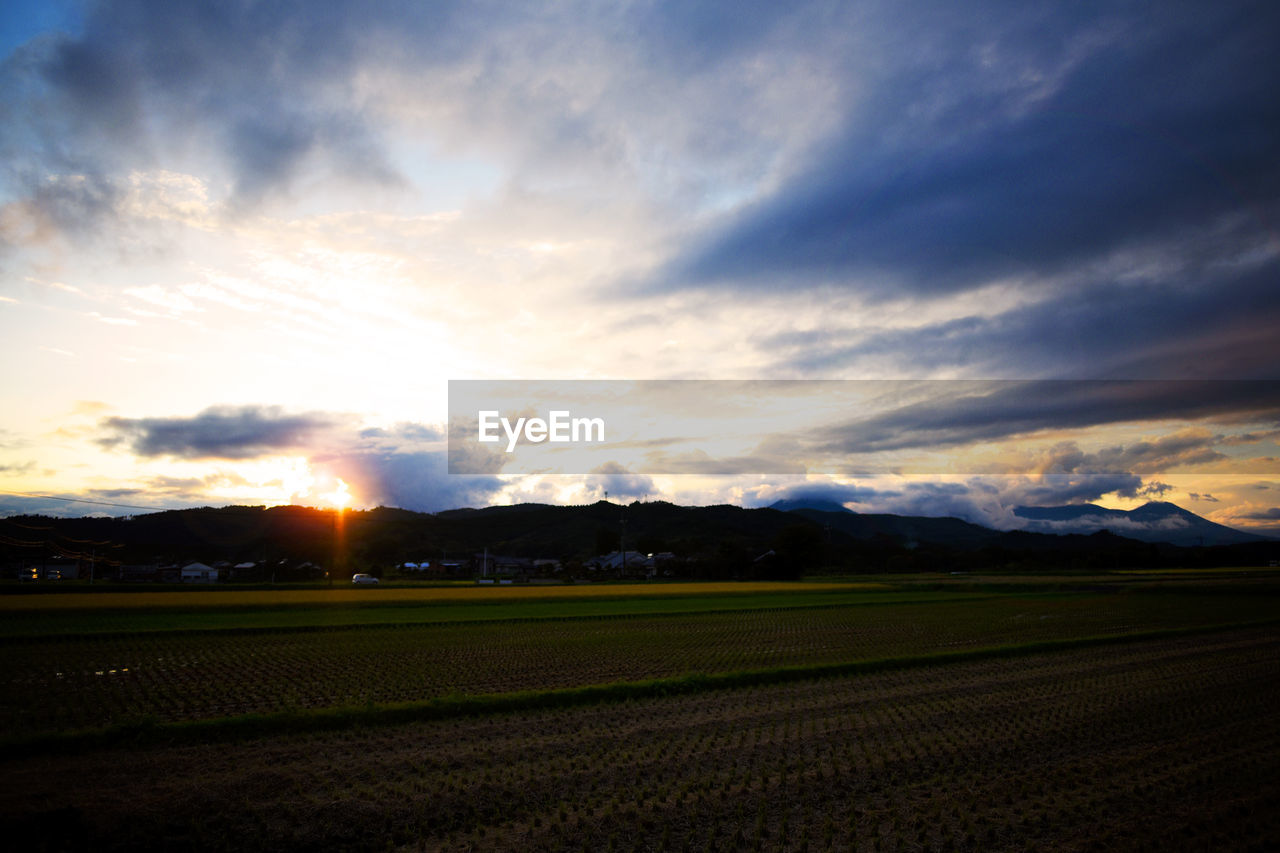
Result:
55,625
84,683
1165,743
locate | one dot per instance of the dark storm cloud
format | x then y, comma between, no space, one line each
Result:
406,432
1272,514
1155,490
263,84
219,432
1195,324
834,493
1127,461
271,89
404,466
964,413
100,86
266,151
1078,487
988,501
618,483
691,36
967,501
1253,437
1023,143
410,479
985,501
394,466
73,205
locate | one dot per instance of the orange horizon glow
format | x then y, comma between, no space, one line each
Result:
340,498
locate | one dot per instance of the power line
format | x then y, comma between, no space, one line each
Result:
88,501
254,508
25,526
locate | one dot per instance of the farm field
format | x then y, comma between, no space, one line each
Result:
455,593
894,719
67,682
112,613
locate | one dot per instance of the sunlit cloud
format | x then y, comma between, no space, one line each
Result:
300,232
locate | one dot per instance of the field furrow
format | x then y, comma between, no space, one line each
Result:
1150,744
79,683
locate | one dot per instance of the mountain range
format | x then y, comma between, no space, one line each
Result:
1156,521
711,541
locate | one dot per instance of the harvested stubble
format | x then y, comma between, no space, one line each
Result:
1146,744
174,676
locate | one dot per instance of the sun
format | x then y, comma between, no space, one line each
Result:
340,497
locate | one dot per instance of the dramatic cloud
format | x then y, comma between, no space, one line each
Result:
143,75
1023,144
618,483
403,465
1155,490
220,432
1162,324
679,101
1143,457
413,480
989,501
820,493
335,207
988,411
1059,489
1105,521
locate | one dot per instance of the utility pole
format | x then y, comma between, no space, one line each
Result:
622,541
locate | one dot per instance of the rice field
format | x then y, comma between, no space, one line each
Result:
349,595
1116,720
70,683
1156,745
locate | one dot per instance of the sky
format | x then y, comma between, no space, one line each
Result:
244,247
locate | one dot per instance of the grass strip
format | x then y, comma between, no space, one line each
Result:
446,619
149,732
460,594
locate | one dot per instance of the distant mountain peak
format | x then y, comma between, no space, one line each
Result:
820,504
1154,521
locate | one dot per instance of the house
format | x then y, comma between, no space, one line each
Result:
453,568
626,563
199,573
423,569
246,571
139,573
546,566
487,565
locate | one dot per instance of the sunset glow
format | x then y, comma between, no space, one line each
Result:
239,278
339,498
